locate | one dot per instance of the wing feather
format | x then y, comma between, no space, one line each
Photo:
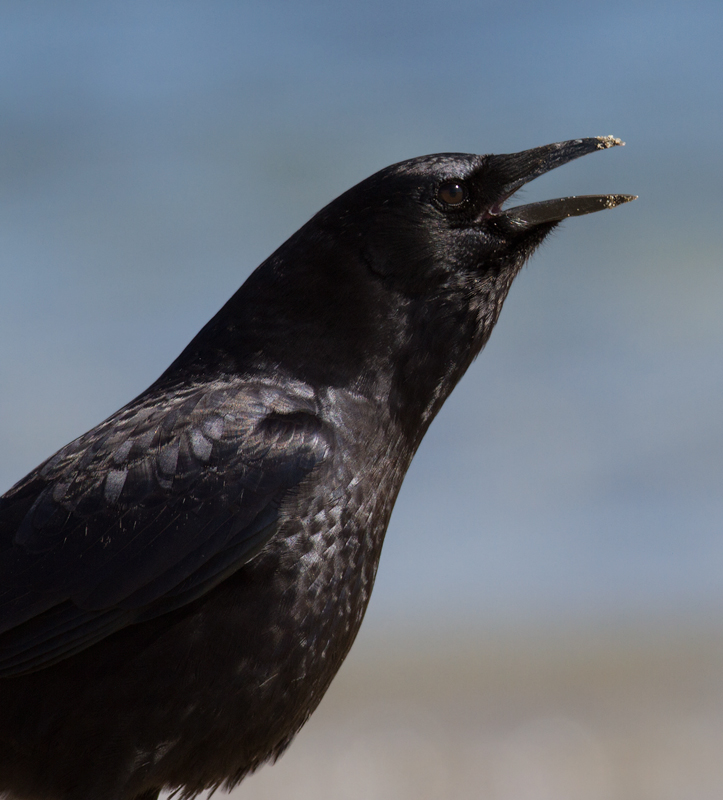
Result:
147,512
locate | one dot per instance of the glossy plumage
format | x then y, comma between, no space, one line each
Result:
179,585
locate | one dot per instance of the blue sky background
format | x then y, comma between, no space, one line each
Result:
153,153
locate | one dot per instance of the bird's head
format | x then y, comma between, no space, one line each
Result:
436,240
438,222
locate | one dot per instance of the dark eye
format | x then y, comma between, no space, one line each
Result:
452,193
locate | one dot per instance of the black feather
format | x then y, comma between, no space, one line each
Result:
179,585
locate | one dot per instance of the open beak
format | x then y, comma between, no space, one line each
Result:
517,169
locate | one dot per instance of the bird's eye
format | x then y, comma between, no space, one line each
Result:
452,193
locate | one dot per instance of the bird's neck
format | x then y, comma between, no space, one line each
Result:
324,319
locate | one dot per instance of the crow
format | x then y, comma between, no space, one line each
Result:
179,585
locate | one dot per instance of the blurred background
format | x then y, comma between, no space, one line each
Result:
547,617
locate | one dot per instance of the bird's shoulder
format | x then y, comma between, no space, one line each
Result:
170,444
152,508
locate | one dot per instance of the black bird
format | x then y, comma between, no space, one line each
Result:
179,585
